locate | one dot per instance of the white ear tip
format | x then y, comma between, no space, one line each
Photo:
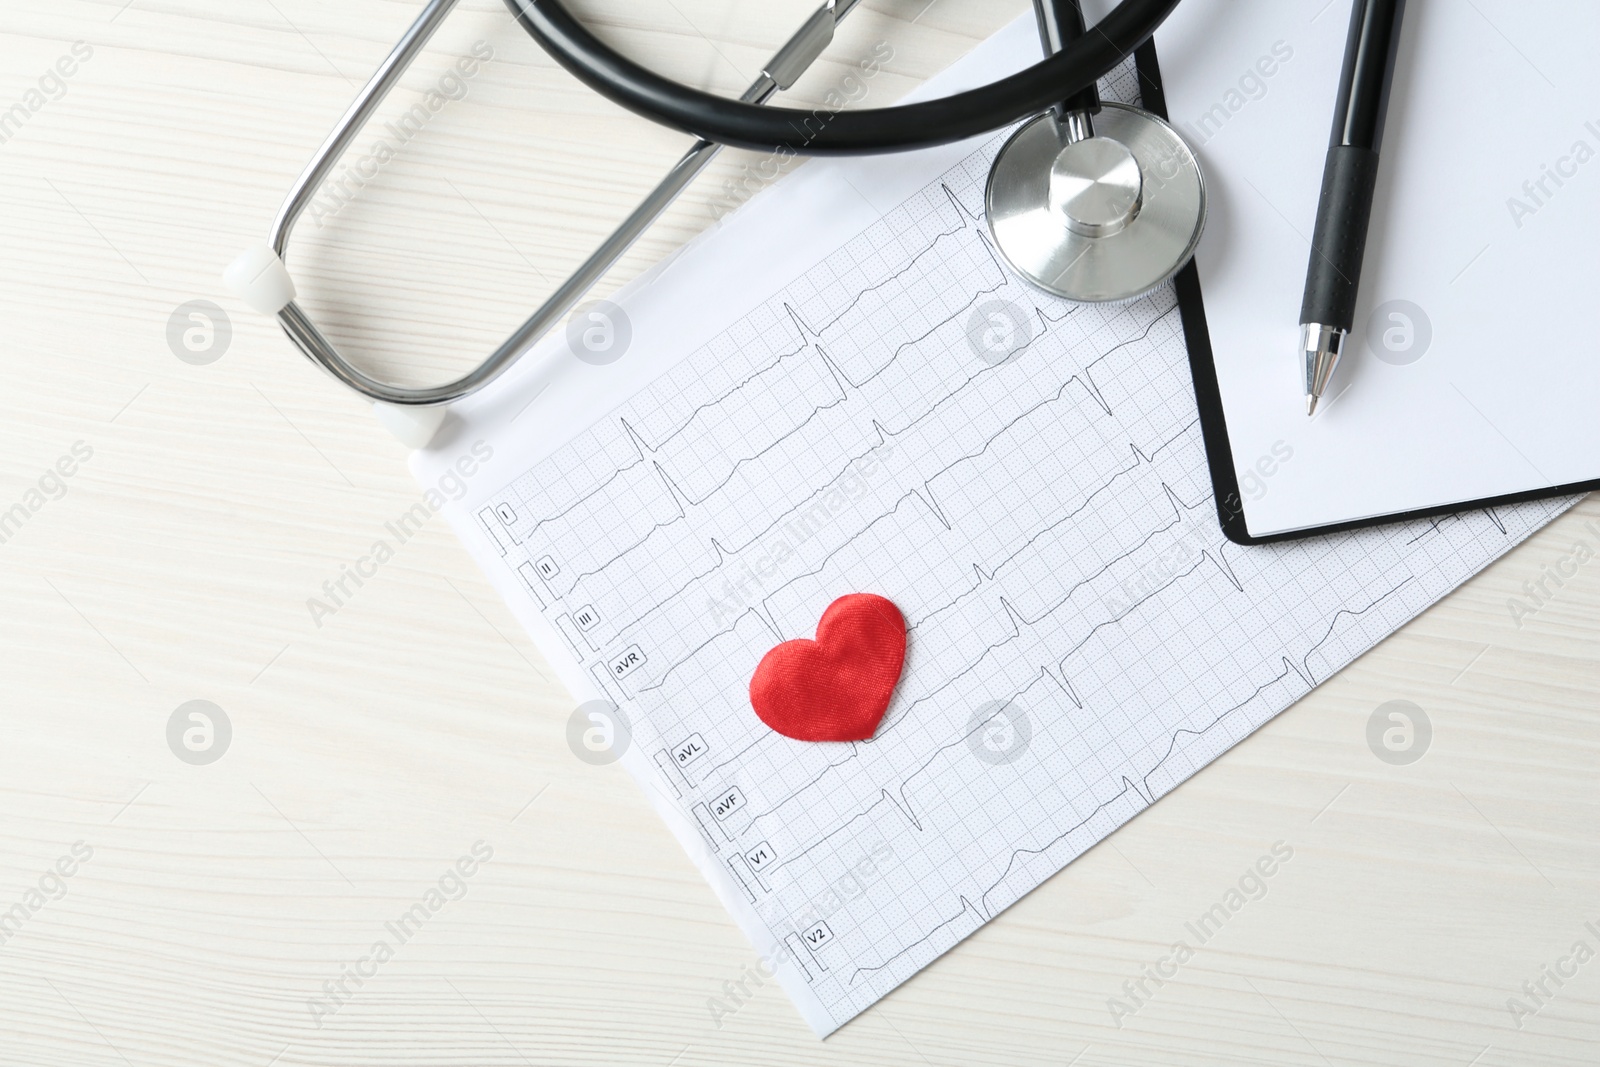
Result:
260,279
414,426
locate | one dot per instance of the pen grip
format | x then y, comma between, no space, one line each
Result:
1340,240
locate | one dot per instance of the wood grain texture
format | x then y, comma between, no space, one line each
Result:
371,752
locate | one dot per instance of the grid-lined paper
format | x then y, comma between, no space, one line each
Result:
1025,480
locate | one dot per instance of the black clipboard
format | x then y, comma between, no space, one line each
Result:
1208,394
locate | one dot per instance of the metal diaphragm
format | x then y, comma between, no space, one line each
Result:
1101,220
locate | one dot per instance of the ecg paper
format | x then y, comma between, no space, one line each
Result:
1030,490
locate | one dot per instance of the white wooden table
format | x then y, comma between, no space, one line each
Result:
210,909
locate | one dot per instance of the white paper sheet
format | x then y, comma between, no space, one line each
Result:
1472,372
841,390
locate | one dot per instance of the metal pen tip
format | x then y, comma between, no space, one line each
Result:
1320,347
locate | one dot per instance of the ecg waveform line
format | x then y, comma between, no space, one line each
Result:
647,451
926,494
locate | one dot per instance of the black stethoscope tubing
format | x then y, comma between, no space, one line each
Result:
865,132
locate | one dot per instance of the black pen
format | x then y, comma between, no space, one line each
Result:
1349,178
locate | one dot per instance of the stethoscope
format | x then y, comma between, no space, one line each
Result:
1092,202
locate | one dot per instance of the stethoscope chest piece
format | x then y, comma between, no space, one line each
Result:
1096,219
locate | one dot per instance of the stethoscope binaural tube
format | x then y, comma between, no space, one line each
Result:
414,414
864,132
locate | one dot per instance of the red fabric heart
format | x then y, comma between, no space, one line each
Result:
837,687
